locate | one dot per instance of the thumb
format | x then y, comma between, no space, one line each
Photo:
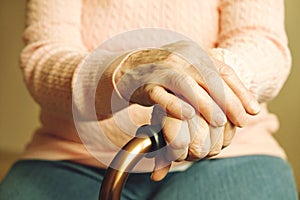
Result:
161,169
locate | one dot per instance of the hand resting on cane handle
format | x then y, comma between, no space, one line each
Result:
203,105
159,76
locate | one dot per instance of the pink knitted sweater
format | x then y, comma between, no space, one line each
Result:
247,35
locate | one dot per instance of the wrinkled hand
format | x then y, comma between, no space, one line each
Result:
204,100
163,77
189,140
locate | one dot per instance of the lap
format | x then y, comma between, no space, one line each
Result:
247,177
36,179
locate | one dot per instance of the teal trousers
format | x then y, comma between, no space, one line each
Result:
239,178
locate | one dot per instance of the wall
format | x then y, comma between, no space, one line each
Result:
19,114
287,104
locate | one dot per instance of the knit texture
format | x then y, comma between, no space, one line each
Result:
247,35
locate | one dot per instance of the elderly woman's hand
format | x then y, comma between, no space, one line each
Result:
190,140
203,100
182,79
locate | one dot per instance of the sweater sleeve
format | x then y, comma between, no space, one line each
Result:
53,50
53,53
253,42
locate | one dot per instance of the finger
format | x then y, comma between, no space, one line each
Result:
225,98
246,97
216,139
159,116
232,106
229,132
161,169
200,138
161,165
187,87
173,105
177,137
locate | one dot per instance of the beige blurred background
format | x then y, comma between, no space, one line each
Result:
19,114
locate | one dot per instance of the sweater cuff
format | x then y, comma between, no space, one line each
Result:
92,84
238,65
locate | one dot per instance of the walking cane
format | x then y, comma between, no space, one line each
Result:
149,138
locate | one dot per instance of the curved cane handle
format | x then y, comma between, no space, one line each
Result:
150,139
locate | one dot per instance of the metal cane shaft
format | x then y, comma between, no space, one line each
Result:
127,158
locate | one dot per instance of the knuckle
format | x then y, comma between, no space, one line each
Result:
177,140
198,152
213,80
210,73
179,144
199,148
190,86
172,104
152,91
225,70
217,143
178,79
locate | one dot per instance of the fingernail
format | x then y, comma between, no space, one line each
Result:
188,111
255,107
